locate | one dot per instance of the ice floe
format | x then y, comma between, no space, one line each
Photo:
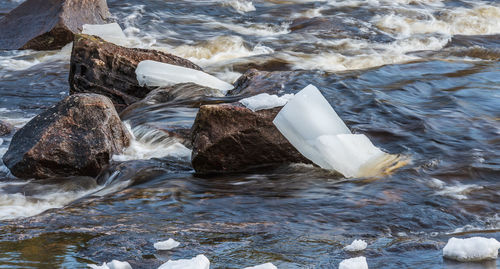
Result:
263,266
356,245
265,101
111,32
354,263
156,74
166,245
313,127
198,262
112,265
471,249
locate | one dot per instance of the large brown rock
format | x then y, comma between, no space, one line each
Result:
102,67
49,24
76,137
231,138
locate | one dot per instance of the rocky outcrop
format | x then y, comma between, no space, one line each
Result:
230,138
102,67
5,128
76,137
254,82
49,24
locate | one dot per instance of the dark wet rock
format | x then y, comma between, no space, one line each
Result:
254,82
5,128
49,24
231,138
76,137
102,67
486,47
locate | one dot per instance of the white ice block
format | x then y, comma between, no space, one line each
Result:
166,245
198,262
112,265
313,127
354,263
263,266
356,245
156,74
265,101
471,249
111,32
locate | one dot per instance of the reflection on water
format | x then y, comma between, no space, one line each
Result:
389,68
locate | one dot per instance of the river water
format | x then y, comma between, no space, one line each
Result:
419,77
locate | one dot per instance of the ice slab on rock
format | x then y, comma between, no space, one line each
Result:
166,245
156,74
471,249
354,263
112,265
313,127
111,32
198,262
265,101
263,266
356,245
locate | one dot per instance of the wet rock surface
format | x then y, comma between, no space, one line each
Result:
49,24
5,128
102,67
254,82
230,137
76,137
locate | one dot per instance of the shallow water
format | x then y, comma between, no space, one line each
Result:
389,68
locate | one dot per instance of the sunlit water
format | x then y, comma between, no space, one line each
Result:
390,70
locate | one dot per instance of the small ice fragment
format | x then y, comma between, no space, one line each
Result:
265,101
263,266
112,265
111,32
471,249
156,74
198,262
166,245
356,245
354,263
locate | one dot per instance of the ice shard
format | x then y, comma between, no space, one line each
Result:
111,32
198,262
313,127
156,74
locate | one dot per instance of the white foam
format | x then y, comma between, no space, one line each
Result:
265,101
156,74
354,263
242,6
471,249
458,191
111,265
166,245
263,266
198,262
356,245
24,59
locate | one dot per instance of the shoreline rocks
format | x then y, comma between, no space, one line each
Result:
76,137
49,24
104,68
232,138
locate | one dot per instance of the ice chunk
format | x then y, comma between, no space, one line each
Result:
112,265
263,266
354,263
166,245
198,262
156,74
265,101
471,249
312,126
111,32
356,245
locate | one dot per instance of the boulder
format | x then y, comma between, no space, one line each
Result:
254,82
232,138
76,137
5,128
102,67
49,24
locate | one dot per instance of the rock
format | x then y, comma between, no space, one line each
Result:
76,137
254,82
230,138
5,128
102,67
49,24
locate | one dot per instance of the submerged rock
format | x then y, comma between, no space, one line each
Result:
76,137
49,24
5,128
230,137
254,82
102,67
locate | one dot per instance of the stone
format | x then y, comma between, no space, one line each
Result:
76,137
254,82
5,128
49,24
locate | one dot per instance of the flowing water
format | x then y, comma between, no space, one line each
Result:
419,77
